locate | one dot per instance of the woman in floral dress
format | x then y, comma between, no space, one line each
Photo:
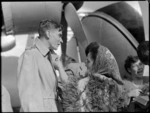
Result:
99,89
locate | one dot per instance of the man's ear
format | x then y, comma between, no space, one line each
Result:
48,34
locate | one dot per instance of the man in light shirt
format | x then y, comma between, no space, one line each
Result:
37,80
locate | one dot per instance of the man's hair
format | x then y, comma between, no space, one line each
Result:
143,52
93,49
129,61
48,25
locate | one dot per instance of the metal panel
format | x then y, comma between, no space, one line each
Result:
24,17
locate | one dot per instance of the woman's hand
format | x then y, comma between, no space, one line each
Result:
134,93
82,83
101,76
82,69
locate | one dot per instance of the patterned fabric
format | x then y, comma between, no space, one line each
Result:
103,92
78,69
70,93
99,90
70,97
103,95
105,64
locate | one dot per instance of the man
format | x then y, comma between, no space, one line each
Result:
143,52
37,80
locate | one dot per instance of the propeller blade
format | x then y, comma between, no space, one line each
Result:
7,42
76,26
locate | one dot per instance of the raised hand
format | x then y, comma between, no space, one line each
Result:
134,93
56,61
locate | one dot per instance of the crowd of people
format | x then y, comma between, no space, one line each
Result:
93,86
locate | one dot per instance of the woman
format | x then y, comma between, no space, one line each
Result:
99,91
134,84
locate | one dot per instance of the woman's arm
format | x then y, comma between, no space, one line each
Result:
103,77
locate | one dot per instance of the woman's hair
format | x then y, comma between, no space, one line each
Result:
129,61
143,52
93,49
48,25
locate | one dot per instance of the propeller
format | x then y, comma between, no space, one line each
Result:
76,26
76,5
7,41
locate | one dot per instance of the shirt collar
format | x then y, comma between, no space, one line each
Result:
41,47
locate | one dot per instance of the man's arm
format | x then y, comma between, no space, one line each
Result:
29,83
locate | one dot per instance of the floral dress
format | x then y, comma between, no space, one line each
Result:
99,90
100,94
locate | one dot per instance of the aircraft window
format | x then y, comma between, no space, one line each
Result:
128,17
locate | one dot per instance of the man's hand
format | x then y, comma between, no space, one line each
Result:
56,61
58,65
